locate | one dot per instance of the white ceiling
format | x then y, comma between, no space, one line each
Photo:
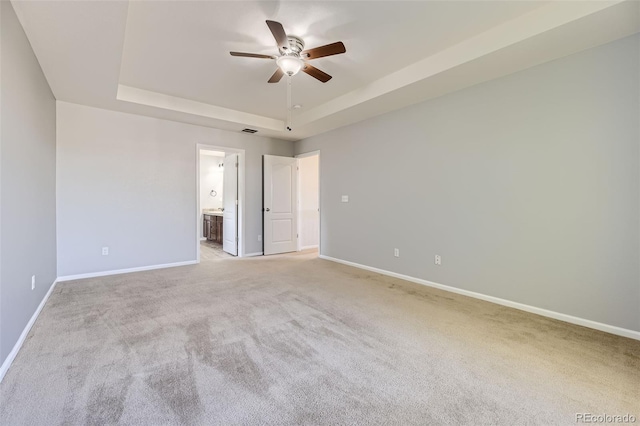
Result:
170,59
182,48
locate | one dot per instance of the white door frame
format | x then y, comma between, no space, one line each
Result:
241,193
311,154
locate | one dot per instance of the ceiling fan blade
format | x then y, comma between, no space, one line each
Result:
251,55
326,50
316,73
276,76
278,33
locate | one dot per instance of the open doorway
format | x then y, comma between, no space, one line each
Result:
309,201
219,203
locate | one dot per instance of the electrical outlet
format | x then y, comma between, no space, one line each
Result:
396,252
259,237
33,282
345,198
438,260
105,251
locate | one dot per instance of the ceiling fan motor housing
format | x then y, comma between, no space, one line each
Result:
296,45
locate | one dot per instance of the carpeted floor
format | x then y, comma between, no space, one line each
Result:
294,339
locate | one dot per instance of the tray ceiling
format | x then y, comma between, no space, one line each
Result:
170,59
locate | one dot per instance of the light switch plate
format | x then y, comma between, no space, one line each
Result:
345,198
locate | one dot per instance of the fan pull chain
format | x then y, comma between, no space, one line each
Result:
289,107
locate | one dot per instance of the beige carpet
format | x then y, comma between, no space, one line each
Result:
297,340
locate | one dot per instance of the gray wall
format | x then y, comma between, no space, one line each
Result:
527,186
129,182
27,182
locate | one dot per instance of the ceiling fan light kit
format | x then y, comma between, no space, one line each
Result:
290,65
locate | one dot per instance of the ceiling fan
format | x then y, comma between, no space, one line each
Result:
292,57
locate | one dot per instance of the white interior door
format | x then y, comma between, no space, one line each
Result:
230,204
280,204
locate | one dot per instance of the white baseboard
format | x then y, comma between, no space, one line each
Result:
14,352
521,306
258,253
203,238
308,247
125,271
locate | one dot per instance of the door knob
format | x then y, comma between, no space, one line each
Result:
268,209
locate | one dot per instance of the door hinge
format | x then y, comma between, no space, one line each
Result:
236,202
236,164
